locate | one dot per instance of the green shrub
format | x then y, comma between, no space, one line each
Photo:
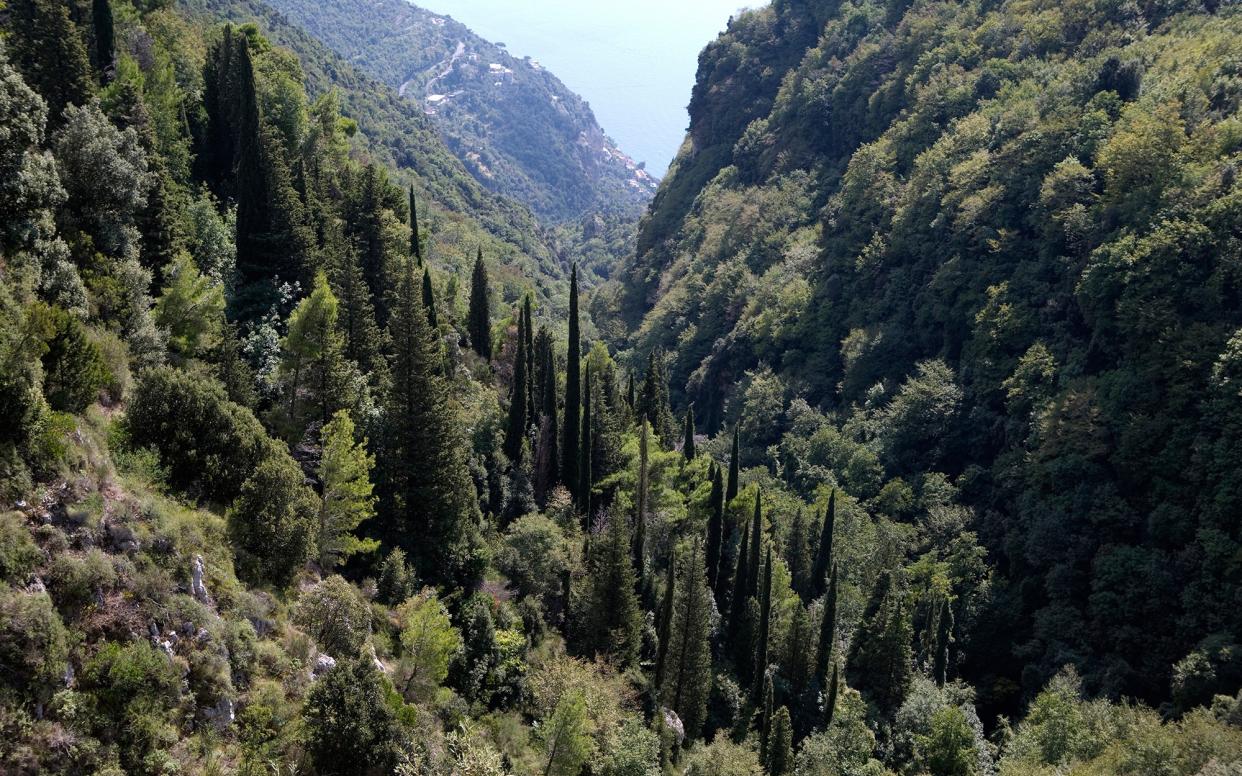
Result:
73,366
209,444
74,579
336,616
34,645
350,727
19,555
272,523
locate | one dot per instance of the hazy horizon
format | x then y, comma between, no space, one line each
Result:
637,77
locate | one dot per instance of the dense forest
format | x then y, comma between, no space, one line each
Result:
903,441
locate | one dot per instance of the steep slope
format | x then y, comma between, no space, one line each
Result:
514,125
395,133
1028,213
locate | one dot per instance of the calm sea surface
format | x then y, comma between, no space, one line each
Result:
634,61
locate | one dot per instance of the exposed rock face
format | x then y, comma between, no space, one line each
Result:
197,588
323,664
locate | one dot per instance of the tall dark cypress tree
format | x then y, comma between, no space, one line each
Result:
479,317
944,634
734,469
363,342
532,390
573,392
585,449
830,704
765,625
609,620
715,530
217,151
823,555
827,630
798,555
428,503
631,398
687,444
737,601
365,223
756,547
416,243
429,300
515,433
105,43
653,401
547,466
640,509
664,622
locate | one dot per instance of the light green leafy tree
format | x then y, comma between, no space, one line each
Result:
346,500
428,643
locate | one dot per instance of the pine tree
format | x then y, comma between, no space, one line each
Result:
944,634
687,444
48,50
585,483
573,392
429,300
105,44
429,506
366,226
780,744
611,622
416,242
715,530
765,624
664,621
798,555
823,555
479,317
345,499
640,510
313,362
734,469
827,631
515,433
689,675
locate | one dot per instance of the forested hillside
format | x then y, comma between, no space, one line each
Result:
516,127
904,444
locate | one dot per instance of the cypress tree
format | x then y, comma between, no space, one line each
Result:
48,50
479,317
798,555
216,156
944,632
687,444
429,300
416,243
880,661
532,405
830,704
689,675
640,501
653,400
737,604
823,555
765,624
573,392
715,529
731,487
756,547
547,467
428,500
630,398
780,743
827,631
585,449
766,712
365,224
105,44
515,433
665,621
797,662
